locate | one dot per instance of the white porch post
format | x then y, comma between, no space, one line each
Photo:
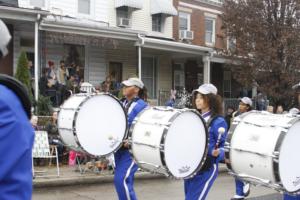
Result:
206,69
36,58
140,61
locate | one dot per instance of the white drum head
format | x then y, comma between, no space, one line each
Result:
101,125
289,159
185,145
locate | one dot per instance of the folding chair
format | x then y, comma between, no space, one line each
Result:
42,149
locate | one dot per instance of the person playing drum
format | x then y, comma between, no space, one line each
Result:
134,92
206,100
242,189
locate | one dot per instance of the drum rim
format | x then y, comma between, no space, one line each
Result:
201,163
163,137
88,96
278,148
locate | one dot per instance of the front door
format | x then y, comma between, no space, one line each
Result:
115,70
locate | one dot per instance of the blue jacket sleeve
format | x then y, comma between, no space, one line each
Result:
16,139
213,137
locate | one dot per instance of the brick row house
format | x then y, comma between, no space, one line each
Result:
199,23
149,38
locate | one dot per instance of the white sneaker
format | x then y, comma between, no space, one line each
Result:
246,189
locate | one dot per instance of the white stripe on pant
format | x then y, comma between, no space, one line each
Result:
127,174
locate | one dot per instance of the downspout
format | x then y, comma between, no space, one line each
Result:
141,43
36,57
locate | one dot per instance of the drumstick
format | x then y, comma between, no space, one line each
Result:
221,130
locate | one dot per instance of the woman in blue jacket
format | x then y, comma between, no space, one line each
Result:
134,92
206,100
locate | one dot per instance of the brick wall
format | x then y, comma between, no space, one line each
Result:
198,22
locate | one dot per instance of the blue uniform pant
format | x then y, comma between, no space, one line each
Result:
290,197
124,175
239,187
197,188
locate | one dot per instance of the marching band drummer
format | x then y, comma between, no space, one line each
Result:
206,100
242,189
134,102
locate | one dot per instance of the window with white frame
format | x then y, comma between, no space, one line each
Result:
84,7
157,23
123,16
210,30
231,43
37,3
123,12
184,21
149,75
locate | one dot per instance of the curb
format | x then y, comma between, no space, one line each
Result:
96,179
83,180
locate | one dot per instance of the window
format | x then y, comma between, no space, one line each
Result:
37,3
231,43
227,84
157,23
123,16
210,31
179,74
123,12
184,21
84,7
149,75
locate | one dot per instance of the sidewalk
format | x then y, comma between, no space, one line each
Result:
68,176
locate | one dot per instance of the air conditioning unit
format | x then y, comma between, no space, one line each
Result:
123,22
186,35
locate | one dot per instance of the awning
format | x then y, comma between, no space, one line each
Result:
87,28
163,7
172,46
138,4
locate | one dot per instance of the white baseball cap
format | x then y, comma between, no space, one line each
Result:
133,82
207,88
5,38
246,100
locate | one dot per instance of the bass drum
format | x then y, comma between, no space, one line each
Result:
92,123
169,141
263,148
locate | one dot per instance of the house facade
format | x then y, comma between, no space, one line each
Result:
123,37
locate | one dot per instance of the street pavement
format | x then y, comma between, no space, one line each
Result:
158,188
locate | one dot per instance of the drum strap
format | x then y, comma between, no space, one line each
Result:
127,106
19,89
211,120
209,161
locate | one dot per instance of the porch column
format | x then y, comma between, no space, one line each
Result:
206,68
140,61
36,58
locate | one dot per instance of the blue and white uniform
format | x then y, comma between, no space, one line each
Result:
290,197
125,165
16,140
197,188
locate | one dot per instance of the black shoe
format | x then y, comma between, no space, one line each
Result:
240,198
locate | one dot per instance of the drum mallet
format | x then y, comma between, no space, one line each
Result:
221,130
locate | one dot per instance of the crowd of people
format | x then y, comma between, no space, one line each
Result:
60,82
